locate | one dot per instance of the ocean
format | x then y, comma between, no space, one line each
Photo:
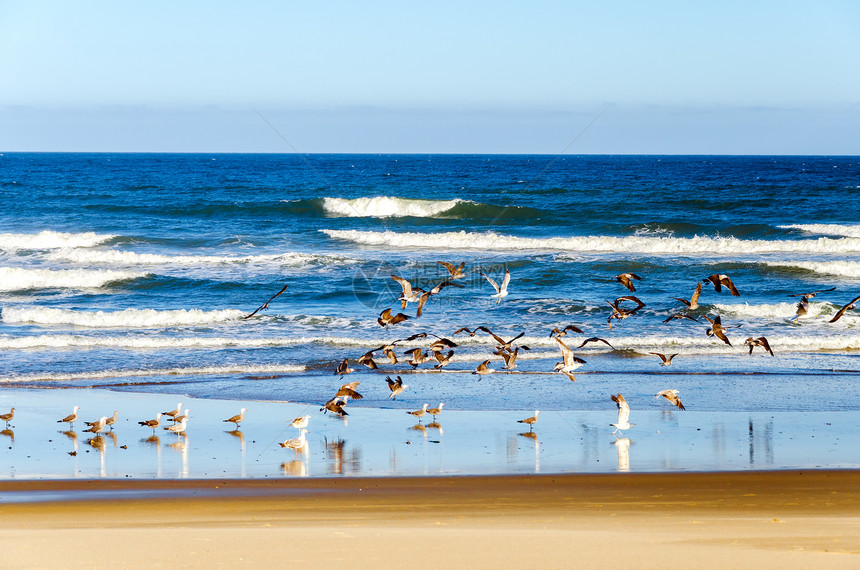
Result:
133,272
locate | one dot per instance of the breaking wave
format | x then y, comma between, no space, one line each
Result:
386,207
17,279
128,318
838,268
51,240
826,229
117,257
179,371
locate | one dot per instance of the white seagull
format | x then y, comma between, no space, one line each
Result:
623,414
500,291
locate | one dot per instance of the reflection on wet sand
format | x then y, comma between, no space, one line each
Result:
112,436
295,468
763,438
74,437
99,443
9,433
622,445
342,462
436,426
420,428
181,445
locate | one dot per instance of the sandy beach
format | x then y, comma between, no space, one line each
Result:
789,518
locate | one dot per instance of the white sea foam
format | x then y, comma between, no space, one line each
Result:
386,207
16,279
827,229
103,374
128,318
118,257
51,240
596,244
838,268
786,310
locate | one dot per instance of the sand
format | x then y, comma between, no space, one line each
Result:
787,518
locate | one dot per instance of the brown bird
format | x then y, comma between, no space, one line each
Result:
386,318
97,426
70,419
418,357
396,386
672,396
335,406
693,303
483,369
8,417
265,305
349,390
152,423
760,341
718,279
436,411
625,279
409,294
510,358
237,419
679,316
456,272
466,330
112,420
717,329
173,413
434,291
442,344
503,344
392,356
563,332
367,360
343,368
803,305
619,312
667,360
596,339
530,421
851,304
419,413
442,359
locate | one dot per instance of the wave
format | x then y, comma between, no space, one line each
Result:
116,257
386,207
838,268
826,229
178,371
127,318
786,310
51,240
596,244
17,279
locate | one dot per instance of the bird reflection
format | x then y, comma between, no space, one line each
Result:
73,436
437,426
152,440
529,434
98,442
112,436
9,433
622,445
342,461
534,437
295,468
181,445
420,427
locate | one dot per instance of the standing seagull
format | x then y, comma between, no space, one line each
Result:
500,291
396,387
531,421
70,419
237,419
760,341
300,422
672,396
152,423
112,420
173,413
851,304
8,417
178,428
419,413
97,426
436,411
623,414
693,303
625,279
718,279
296,443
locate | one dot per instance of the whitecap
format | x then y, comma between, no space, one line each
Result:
51,240
127,318
178,371
16,279
826,229
386,207
838,268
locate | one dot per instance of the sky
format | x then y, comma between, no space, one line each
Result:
544,77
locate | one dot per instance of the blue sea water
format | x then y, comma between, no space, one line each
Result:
134,272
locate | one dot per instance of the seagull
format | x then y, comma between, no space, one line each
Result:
500,291
679,316
803,305
265,305
466,330
97,426
569,362
847,307
442,359
349,390
367,360
718,279
503,344
392,356
434,291
442,344
693,303
300,422
623,414
418,357
396,387
531,421
184,416
237,419
667,360
343,368
409,295
596,339
152,423
335,406
296,443
672,396
483,368
619,312
419,413
70,419
178,428
173,413
8,417
112,420
760,341
386,318
563,332
717,329
625,279
436,411
455,271
510,358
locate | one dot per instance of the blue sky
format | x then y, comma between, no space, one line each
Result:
473,77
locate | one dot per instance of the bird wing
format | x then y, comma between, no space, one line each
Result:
766,345
492,334
573,328
662,357
623,409
715,279
695,298
505,281
449,266
407,287
724,279
847,307
422,301
565,350
492,282
266,304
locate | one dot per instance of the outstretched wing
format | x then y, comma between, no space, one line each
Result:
492,282
266,304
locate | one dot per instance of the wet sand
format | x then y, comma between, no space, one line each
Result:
789,518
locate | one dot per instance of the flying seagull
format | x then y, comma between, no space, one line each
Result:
455,271
563,332
803,305
442,359
596,339
434,291
760,341
466,330
483,369
510,358
409,294
343,368
718,279
693,303
623,422
265,305
619,312
396,387
503,344
367,360
717,329
672,396
569,362
626,280
679,316
335,406
667,360
349,390
847,307
386,318
500,291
